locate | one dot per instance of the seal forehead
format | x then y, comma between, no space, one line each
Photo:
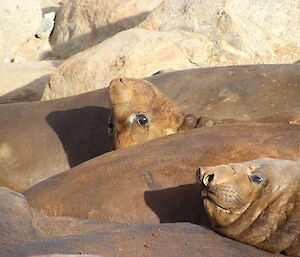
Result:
277,172
141,112
129,96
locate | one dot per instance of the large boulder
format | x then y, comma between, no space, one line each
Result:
15,218
243,31
80,24
19,21
23,82
185,35
50,5
131,53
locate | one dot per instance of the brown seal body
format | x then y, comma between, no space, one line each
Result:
233,92
41,139
256,202
155,181
140,112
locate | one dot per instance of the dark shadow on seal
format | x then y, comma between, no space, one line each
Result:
83,132
178,204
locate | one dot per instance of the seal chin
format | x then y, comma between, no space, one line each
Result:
220,215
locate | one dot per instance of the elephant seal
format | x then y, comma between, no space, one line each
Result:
155,181
256,202
140,112
40,139
233,92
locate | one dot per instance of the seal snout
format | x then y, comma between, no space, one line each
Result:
207,179
204,177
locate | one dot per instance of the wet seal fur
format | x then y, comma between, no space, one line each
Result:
256,202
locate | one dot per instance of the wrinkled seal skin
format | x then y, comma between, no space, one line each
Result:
155,181
256,202
140,112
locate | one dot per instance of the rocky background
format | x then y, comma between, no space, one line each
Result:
56,48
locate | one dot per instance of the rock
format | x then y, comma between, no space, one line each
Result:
49,5
15,218
122,240
23,82
243,32
80,24
26,232
47,25
67,255
132,53
35,49
19,21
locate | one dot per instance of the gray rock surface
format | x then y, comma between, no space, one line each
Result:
15,218
47,25
131,53
80,24
19,21
49,5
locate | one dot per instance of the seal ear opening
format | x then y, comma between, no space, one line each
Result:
189,122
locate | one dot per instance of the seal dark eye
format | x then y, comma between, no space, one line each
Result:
110,127
141,119
257,179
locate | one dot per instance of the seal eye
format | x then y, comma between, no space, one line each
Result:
141,119
110,127
257,179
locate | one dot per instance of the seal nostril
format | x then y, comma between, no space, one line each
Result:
208,178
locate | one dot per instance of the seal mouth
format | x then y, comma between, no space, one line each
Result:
209,195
